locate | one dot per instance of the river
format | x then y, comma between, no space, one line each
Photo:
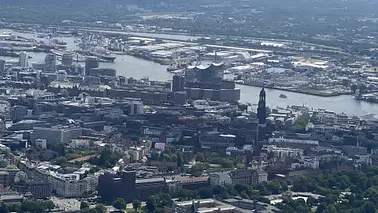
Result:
152,35
137,68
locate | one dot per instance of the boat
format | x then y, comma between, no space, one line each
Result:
282,96
177,66
106,57
94,45
60,42
101,55
180,71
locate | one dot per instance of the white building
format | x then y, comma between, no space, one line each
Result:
263,176
23,59
62,75
137,153
41,143
325,116
70,185
57,134
221,178
327,129
136,108
287,141
282,152
307,162
311,162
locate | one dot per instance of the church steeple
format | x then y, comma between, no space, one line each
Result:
261,110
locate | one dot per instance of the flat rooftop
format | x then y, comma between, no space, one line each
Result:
149,180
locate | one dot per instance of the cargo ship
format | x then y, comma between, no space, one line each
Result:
106,56
177,65
101,55
95,45
174,67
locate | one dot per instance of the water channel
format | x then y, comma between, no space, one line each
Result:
137,68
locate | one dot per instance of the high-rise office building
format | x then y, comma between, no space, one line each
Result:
17,113
2,67
90,63
178,83
23,59
67,59
56,134
125,185
50,63
79,69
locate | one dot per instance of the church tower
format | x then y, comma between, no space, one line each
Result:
261,110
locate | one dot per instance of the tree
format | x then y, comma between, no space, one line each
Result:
220,191
200,157
331,209
284,186
108,158
369,207
49,205
100,208
179,161
6,153
244,195
61,161
312,202
154,156
156,203
270,155
273,187
321,208
151,204
205,192
198,168
300,184
119,204
302,121
31,207
84,205
136,205
4,208
161,157
16,207
92,210
94,169
60,148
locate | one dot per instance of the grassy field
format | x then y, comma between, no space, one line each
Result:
320,92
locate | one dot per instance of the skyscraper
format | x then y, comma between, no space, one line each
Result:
90,63
261,110
67,59
2,67
50,63
23,59
178,83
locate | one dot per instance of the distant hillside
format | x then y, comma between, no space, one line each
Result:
53,11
